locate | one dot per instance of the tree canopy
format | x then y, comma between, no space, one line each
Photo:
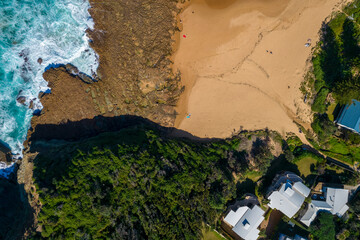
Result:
323,228
135,184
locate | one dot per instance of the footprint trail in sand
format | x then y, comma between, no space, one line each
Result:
243,61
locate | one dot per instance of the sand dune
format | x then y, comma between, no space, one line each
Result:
242,62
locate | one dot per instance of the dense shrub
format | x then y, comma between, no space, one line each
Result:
323,127
319,104
323,228
134,185
349,228
336,63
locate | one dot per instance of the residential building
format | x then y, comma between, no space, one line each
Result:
289,198
334,201
245,221
349,116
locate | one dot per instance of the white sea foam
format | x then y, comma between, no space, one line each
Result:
6,169
53,30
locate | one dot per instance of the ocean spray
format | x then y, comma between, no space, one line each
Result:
33,35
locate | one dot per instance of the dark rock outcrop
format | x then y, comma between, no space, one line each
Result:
74,71
20,98
5,153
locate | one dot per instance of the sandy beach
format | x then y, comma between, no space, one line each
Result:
242,63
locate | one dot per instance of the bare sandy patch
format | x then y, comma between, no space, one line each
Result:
242,62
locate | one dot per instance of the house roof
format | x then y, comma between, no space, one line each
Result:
289,199
337,199
343,210
335,203
247,221
312,210
310,215
233,217
322,205
301,188
350,116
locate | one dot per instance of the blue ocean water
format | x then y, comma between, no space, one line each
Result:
34,32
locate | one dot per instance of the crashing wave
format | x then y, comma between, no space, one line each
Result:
33,35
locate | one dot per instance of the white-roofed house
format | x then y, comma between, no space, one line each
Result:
301,188
289,198
245,221
335,202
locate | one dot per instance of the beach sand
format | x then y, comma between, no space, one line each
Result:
242,63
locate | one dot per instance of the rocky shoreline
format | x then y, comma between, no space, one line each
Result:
135,74
5,153
135,67
135,78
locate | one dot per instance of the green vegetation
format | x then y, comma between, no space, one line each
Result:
323,128
137,184
143,186
305,164
15,213
330,111
319,104
349,228
268,213
294,221
323,228
283,227
337,170
336,62
303,159
210,234
294,142
261,154
295,159
336,70
253,175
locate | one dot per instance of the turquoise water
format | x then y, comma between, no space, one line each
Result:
53,30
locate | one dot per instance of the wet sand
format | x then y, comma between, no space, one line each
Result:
242,63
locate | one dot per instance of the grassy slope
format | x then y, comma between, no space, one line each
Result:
209,234
304,165
330,111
